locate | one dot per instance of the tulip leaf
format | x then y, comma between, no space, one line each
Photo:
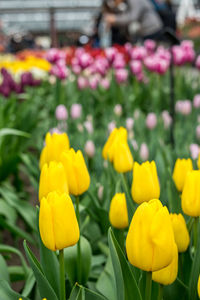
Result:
106,283
81,293
45,289
125,280
7,293
4,274
30,282
195,269
71,262
49,262
11,131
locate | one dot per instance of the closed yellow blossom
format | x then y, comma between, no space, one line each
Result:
181,233
181,168
52,178
145,185
150,240
57,221
118,213
76,171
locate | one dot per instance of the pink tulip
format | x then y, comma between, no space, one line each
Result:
194,151
111,126
167,119
61,113
82,82
121,75
76,110
105,83
151,121
198,132
129,123
136,66
89,148
118,110
196,101
144,152
88,126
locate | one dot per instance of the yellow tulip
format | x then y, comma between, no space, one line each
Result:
181,168
55,144
181,233
168,274
76,170
198,287
118,213
190,199
116,137
52,178
145,185
150,239
57,221
122,158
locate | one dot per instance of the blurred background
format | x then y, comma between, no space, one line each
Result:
47,23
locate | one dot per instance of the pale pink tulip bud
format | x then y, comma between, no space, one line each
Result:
61,113
151,121
121,75
136,114
129,123
90,148
100,192
144,151
88,126
167,119
135,145
196,101
118,110
82,82
80,127
111,126
76,110
194,151
105,83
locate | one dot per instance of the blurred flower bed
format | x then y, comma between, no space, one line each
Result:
113,107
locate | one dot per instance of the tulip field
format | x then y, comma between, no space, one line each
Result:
99,173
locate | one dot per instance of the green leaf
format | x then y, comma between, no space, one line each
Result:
125,281
16,230
195,270
49,262
7,293
11,131
106,283
9,249
4,274
81,293
29,284
7,211
45,289
71,262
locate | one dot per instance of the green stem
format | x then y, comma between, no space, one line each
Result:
129,200
160,292
119,234
79,242
62,275
148,286
195,226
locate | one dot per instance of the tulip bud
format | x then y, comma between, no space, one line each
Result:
76,170
190,199
198,287
116,136
57,222
55,144
181,168
181,234
52,178
122,158
118,214
150,239
145,185
168,274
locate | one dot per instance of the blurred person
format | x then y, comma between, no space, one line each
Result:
165,10
142,12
